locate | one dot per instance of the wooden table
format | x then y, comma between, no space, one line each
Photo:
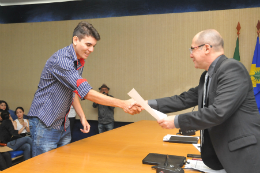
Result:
116,151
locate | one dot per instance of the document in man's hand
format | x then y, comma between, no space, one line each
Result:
156,114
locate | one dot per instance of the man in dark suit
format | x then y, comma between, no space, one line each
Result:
227,111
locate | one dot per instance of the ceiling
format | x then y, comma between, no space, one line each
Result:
27,2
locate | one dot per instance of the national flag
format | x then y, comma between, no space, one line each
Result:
236,53
255,73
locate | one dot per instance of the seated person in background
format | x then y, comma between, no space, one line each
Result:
20,124
5,160
4,106
11,137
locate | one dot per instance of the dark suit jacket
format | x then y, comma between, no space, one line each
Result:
231,119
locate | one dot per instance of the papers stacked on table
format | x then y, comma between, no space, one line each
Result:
200,166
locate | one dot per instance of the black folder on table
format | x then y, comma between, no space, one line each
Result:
156,159
186,140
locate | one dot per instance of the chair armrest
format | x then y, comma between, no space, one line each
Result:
3,144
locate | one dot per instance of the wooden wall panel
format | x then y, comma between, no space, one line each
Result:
148,53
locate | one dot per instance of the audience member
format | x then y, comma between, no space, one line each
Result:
11,137
4,106
21,124
5,157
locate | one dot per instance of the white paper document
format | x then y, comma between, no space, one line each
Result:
156,114
197,146
199,165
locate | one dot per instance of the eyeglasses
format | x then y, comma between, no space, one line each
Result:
192,48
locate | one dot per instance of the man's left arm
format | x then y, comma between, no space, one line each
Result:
173,104
170,122
77,106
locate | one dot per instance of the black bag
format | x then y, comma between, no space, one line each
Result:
156,159
14,137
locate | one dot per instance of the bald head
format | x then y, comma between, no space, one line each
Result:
212,37
206,46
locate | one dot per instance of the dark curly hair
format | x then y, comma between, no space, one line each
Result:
4,114
7,107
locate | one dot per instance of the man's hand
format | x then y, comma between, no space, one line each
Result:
85,124
167,123
132,107
133,103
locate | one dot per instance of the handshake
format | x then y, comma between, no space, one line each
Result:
132,107
166,122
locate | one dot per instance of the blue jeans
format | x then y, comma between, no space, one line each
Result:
105,127
24,144
46,138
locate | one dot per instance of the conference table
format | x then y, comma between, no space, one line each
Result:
116,151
